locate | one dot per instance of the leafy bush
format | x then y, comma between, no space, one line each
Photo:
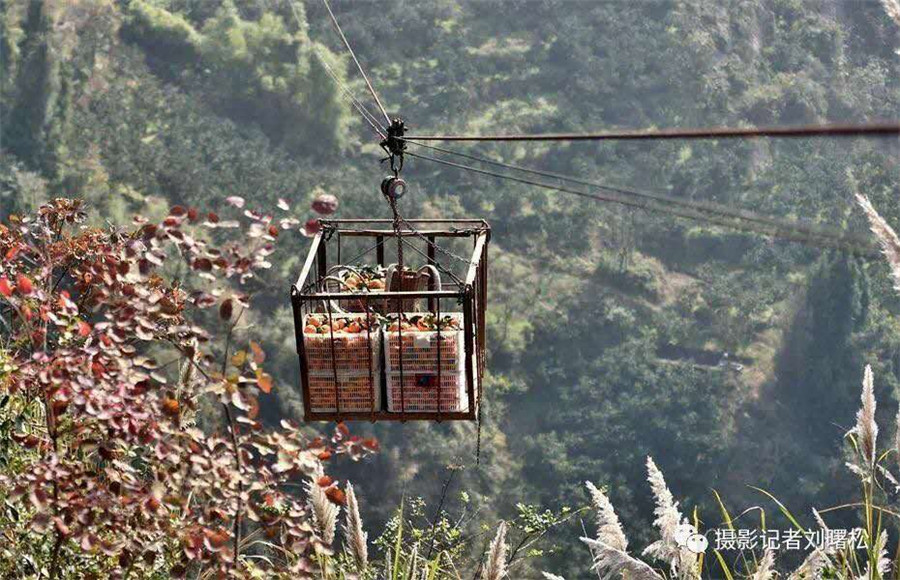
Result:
111,458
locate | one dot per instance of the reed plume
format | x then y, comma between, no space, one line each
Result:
495,567
613,564
324,512
668,518
764,569
892,7
354,537
812,566
866,430
609,529
882,564
413,563
819,520
897,436
887,237
608,550
818,559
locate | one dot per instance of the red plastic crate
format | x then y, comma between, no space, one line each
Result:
420,392
346,385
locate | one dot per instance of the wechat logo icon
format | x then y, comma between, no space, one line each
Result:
686,536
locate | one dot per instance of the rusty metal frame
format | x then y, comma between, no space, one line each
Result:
308,291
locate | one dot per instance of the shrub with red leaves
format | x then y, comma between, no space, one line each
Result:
106,371
325,204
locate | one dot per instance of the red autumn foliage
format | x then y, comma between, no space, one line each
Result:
116,475
325,204
312,227
336,495
24,285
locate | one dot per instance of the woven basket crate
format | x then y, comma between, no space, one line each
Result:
420,390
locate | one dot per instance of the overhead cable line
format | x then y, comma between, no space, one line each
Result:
702,206
358,65
828,130
366,114
784,229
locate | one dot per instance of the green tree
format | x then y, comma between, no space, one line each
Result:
818,372
265,72
36,122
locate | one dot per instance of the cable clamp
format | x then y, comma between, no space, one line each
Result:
395,145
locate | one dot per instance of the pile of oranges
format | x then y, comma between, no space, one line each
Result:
366,278
318,324
423,323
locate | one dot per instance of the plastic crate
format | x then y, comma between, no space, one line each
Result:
357,393
352,352
423,388
350,384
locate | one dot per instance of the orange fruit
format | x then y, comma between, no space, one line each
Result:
170,406
314,321
354,327
309,329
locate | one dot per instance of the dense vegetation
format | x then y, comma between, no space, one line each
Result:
607,326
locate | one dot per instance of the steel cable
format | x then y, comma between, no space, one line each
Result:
829,130
702,206
358,65
772,226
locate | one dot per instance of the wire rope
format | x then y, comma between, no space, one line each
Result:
777,228
366,114
703,206
358,65
827,130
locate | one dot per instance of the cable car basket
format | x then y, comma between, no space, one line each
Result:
422,369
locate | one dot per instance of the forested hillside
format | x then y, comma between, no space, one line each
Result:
613,333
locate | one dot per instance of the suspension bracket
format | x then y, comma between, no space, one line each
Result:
394,145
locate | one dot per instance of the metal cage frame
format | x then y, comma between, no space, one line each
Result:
471,294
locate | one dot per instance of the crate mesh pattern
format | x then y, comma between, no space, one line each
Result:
348,378
420,390
356,392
